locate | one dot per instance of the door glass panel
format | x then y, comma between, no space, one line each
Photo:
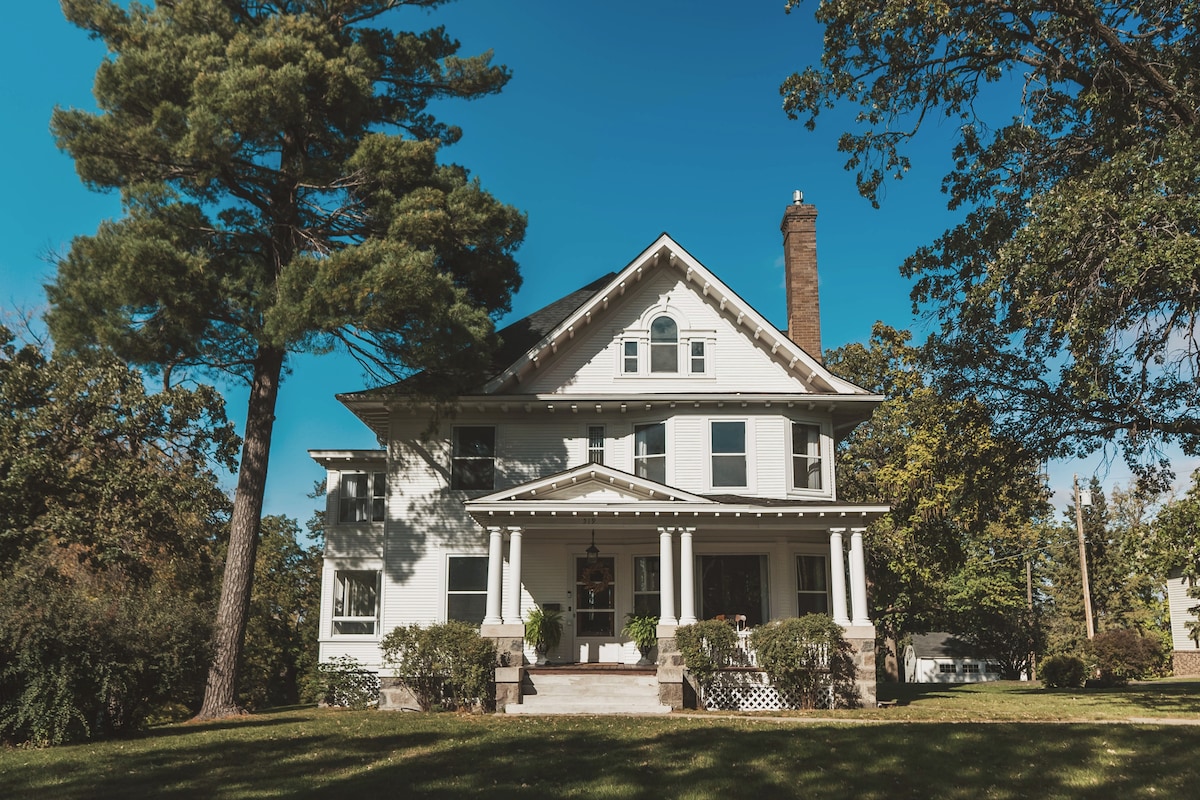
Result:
595,597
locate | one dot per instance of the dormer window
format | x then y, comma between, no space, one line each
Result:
629,355
664,345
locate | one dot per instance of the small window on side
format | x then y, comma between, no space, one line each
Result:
595,444
355,601
466,589
697,351
473,457
629,358
362,497
806,456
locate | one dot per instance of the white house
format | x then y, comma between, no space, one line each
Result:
652,416
944,658
1186,656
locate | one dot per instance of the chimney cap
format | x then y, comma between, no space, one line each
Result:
797,197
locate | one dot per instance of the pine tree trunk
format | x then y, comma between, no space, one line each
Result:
234,606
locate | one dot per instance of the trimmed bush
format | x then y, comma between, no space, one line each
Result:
446,666
1123,655
343,681
1062,672
808,661
706,647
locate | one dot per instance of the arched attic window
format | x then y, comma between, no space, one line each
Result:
664,345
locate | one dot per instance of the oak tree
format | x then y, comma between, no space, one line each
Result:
1068,294
278,165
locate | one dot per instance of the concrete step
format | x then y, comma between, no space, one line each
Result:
593,692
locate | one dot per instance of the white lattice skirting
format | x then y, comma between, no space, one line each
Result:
750,691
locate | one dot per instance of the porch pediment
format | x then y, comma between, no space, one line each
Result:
590,484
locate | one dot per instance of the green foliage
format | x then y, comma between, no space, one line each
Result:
808,661
960,487
1068,293
281,634
108,516
543,629
278,164
445,666
706,646
642,628
1062,672
343,681
1123,655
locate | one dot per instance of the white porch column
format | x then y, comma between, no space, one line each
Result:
512,611
495,576
687,582
858,579
837,576
666,578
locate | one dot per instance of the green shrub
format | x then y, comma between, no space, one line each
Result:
808,661
1123,655
445,666
343,681
706,647
1062,672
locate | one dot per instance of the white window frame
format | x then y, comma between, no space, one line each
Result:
593,454
826,592
824,444
713,455
374,501
657,593
665,455
455,457
630,355
463,592
339,596
705,354
662,347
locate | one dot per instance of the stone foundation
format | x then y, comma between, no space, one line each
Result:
394,697
863,653
1186,662
670,674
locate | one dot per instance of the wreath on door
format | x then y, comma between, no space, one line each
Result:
596,578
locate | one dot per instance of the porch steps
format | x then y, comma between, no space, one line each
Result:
561,691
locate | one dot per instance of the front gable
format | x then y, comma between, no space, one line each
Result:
613,343
591,483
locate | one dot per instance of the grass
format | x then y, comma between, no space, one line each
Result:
927,751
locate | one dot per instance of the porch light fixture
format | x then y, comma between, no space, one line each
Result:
593,553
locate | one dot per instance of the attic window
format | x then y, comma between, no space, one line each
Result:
664,345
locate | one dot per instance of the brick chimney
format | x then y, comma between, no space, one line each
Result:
799,228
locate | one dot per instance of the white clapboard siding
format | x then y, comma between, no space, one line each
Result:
590,362
1180,603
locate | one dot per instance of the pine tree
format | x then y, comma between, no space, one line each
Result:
278,167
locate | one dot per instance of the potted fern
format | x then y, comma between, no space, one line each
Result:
643,629
543,631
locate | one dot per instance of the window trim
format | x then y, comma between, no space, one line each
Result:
590,450
335,618
664,455
713,455
376,502
463,592
455,458
826,592
822,457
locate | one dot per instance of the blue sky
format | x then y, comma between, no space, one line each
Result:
622,120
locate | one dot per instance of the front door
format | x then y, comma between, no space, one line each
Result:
595,610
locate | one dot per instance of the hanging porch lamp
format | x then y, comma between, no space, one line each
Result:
593,553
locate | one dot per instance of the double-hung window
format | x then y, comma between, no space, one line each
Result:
362,497
650,451
355,601
812,588
473,457
806,456
696,350
664,345
629,356
729,453
466,588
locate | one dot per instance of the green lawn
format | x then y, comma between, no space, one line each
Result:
920,749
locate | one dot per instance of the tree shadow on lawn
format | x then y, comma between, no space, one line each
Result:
1165,698
559,757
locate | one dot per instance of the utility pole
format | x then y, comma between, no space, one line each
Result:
1087,591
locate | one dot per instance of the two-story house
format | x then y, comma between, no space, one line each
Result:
649,443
